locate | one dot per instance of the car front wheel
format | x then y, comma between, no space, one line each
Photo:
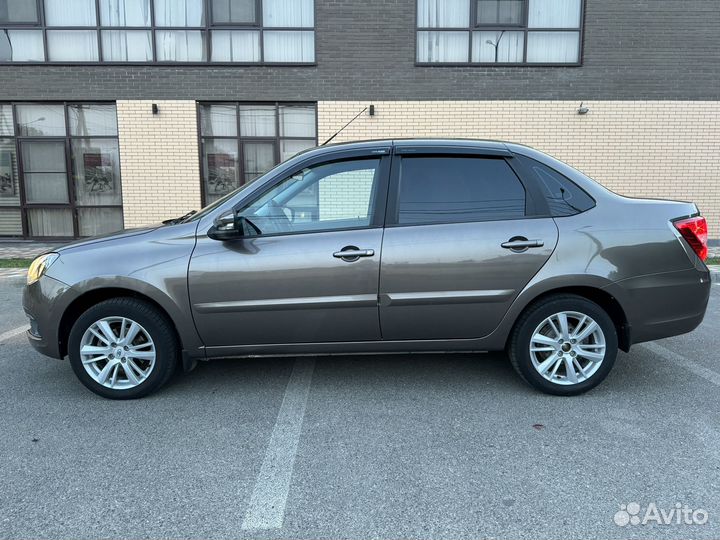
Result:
564,345
123,348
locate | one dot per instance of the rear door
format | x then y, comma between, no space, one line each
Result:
463,236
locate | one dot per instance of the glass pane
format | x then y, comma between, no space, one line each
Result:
180,46
455,190
46,187
297,121
10,222
95,221
233,11
43,157
328,196
72,45
288,13
70,13
553,47
9,188
443,13
21,46
218,120
44,173
235,46
6,121
40,120
125,12
18,11
508,12
442,46
96,172
127,45
220,168
257,121
179,13
289,46
554,14
88,120
258,159
50,222
498,46
288,148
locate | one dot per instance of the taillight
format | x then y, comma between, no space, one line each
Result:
695,231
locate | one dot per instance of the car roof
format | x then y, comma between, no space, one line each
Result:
411,142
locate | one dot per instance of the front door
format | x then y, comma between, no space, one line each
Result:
311,274
459,247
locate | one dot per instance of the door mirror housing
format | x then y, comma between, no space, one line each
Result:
231,226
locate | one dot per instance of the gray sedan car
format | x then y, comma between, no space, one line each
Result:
381,247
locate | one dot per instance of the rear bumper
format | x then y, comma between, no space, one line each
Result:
666,304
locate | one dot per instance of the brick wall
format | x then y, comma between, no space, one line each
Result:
346,195
633,49
665,149
158,159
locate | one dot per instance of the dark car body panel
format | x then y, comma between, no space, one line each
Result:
427,288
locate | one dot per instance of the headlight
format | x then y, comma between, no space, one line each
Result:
39,266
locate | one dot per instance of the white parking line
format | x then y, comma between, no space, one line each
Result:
268,500
12,333
682,361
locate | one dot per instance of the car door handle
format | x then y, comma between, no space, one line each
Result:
351,253
521,244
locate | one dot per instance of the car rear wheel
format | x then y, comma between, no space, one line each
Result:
123,348
564,345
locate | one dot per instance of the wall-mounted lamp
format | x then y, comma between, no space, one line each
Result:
155,109
582,109
371,110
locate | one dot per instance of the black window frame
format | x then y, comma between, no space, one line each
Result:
205,29
241,141
475,27
67,139
535,203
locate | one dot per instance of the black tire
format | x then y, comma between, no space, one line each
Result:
153,321
519,344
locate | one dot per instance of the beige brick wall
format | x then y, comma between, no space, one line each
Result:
665,149
159,160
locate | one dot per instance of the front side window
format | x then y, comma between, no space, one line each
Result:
458,189
499,31
241,141
324,197
163,31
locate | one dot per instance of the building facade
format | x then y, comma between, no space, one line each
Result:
121,113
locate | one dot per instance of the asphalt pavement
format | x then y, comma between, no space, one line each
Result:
358,447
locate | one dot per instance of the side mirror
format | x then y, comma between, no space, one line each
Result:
231,226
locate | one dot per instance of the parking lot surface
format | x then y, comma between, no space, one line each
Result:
386,447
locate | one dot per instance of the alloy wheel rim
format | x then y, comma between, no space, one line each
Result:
117,353
567,348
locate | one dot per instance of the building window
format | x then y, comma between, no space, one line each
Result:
59,170
488,32
241,141
161,31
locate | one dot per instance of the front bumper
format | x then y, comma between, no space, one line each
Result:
44,303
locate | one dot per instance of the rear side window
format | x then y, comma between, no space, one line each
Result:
564,197
458,189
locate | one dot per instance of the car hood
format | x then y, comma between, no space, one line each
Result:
125,233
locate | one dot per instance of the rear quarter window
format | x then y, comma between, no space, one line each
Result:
563,196
456,189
